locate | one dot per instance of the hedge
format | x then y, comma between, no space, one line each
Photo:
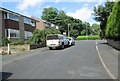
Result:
113,23
93,37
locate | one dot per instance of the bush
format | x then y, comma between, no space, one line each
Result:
5,41
16,42
94,37
39,36
113,23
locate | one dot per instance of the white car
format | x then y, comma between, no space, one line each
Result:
56,41
71,41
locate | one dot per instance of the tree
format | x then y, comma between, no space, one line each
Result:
74,33
113,23
59,17
95,29
101,14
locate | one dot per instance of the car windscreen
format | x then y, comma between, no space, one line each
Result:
51,37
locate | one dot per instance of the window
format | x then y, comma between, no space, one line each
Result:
12,33
13,17
28,35
33,23
27,20
51,37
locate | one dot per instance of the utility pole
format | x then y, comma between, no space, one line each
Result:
68,30
86,33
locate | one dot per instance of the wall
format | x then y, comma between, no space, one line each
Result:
40,25
21,28
115,44
11,24
0,27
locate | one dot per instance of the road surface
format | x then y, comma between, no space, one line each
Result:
80,61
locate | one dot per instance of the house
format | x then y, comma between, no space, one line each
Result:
42,24
15,26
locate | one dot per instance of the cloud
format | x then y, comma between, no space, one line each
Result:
56,1
64,8
100,2
28,3
83,14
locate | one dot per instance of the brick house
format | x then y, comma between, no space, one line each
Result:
14,25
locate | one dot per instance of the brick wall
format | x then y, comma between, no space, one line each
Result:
40,25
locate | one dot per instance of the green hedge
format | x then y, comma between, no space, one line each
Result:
94,37
113,23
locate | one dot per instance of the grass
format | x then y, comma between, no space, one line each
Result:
93,37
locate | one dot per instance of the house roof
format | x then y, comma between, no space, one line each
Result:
6,10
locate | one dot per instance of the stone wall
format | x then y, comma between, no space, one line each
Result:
21,48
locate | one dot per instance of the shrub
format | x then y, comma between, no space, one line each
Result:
94,37
39,36
5,41
16,42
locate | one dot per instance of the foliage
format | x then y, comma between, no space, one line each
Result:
58,17
16,42
39,36
5,41
74,33
101,14
92,37
113,23
95,29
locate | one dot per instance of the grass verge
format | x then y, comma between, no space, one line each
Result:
93,37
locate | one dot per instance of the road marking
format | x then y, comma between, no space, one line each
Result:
108,71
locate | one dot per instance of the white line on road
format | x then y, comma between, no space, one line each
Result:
108,71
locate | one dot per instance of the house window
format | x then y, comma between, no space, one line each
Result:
13,17
27,20
33,23
28,35
12,33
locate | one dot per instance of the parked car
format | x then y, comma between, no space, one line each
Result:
71,41
56,41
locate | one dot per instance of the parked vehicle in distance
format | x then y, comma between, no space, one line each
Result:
56,41
71,41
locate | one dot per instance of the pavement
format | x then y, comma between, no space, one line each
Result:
80,61
109,56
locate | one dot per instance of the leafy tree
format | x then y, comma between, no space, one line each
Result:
95,29
101,14
74,33
50,14
113,23
59,17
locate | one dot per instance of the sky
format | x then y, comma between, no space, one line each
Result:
79,9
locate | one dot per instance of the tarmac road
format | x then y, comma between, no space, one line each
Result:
80,61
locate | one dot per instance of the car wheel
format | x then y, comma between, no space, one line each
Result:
50,48
62,46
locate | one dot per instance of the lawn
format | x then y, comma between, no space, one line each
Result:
93,37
